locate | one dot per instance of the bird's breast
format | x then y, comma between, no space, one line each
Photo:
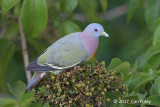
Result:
92,55
90,44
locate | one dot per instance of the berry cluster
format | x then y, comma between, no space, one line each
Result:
85,85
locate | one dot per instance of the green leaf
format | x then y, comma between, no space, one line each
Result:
141,96
149,53
153,89
7,5
156,36
152,63
131,98
4,44
17,9
12,31
104,4
68,6
37,45
114,63
34,17
90,8
4,60
140,79
69,27
26,99
132,7
123,68
157,85
8,102
154,100
17,89
46,105
152,13
26,103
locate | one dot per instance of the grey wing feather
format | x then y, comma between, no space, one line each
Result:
64,53
34,66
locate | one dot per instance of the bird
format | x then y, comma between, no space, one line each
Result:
66,52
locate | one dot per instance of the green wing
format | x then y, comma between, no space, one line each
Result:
64,53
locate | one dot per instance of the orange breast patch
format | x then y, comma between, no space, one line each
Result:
91,56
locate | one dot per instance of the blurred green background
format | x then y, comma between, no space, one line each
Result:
133,26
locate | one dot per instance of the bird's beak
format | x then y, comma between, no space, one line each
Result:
105,34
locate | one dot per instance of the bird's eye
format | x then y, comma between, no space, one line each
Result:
95,30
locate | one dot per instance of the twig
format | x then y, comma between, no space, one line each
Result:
109,15
3,31
24,49
9,15
7,23
115,12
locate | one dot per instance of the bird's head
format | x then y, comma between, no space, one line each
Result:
96,30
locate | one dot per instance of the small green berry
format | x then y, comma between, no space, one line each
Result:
63,96
103,93
105,90
49,96
88,82
75,88
73,80
100,76
60,90
92,89
47,86
99,88
108,100
119,98
86,88
124,86
127,89
108,86
116,89
83,84
67,83
54,87
53,77
68,73
90,94
87,105
70,101
79,85
111,77
123,92
112,73
58,94
65,79
103,63
87,94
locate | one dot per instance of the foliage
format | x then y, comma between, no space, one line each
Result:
132,51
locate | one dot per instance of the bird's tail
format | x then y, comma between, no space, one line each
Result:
37,76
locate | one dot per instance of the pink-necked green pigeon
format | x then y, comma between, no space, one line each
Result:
66,52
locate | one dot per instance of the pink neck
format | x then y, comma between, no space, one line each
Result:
90,43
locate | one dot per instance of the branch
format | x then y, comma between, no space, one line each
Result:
109,15
9,15
24,49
